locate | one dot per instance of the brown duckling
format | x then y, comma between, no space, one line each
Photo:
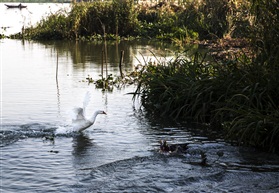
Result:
173,148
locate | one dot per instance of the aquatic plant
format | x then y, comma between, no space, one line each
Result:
238,96
108,83
169,89
105,83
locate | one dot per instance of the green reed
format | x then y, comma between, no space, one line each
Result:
238,96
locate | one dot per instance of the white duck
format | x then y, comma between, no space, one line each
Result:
79,120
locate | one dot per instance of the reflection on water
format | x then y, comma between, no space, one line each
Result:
80,144
83,52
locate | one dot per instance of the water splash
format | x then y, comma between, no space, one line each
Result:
63,130
10,134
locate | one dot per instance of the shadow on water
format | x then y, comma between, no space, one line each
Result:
81,143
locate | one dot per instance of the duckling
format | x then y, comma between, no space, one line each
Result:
175,148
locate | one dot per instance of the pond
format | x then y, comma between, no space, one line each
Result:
120,152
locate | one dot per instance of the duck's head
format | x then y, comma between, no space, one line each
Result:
101,112
164,146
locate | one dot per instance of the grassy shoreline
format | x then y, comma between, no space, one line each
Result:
178,23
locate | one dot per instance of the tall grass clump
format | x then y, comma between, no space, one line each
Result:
255,108
171,89
112,17
238,96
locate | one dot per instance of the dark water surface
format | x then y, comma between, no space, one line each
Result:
119,153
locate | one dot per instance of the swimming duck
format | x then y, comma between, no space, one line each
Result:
173,148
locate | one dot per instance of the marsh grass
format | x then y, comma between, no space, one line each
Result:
180,23
238,96
254,108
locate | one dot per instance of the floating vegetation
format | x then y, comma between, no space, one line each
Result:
105,83
110,82
90,79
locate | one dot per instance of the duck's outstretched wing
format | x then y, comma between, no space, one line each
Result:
77,114
86,101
